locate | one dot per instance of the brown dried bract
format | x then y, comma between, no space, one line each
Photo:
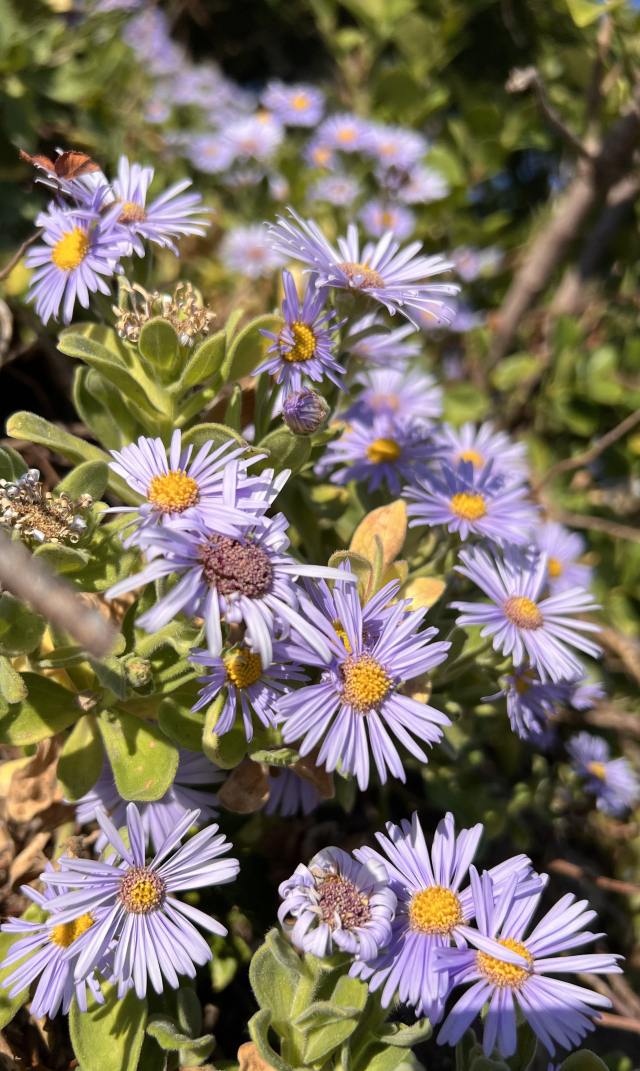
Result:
68,165
317,776
246,788
249,1059
34,787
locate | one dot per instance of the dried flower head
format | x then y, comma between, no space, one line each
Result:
183,311
37,515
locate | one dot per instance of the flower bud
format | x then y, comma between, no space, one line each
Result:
304,411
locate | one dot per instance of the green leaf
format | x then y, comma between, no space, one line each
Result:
48,709
464,402
384,1058
360,566
26,425
63,559
583,1060
93,411
144,761
159,345
109,1036
350,992
229,749
180,723
203,363
70,655
152,1057
110,561
89,478
273,983
113,368
249,347
81,757
6,467
286,450
169,1036
218,434
259,1033
323,1013
583,12
12,685
21,629
282,756
111,673
10,1005
514,370
320,1042
397,1034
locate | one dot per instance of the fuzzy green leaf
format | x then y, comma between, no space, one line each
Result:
203,363
63,559
399,1035
249,347
159,345
21,629
286,450
89,478
80,760
180,723
47,710
109,1036
259,1033
12,684
143,759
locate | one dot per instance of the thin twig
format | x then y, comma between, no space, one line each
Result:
594,524
618,1022
578,462
17,257
28,579
523,78
625,647
572,870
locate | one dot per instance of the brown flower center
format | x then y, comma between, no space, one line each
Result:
341,904
523,612
234,568
361,276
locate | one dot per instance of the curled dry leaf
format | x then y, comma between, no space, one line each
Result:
249,1059
389,523
317,776
424,591
68,165
7,847
31,859
34,787
246,788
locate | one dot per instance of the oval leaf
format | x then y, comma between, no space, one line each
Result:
144,761
109,1036
80,760
89,478
249,347
423,591
47,710
389,523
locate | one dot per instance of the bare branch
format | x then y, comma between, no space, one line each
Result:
572,870
627,649
594,524
17,257
522,79
580,460
28,579
618,1022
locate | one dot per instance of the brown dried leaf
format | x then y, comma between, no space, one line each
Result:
31,860
7,847
317,776
42,161
34,787
246,788
68,165
387,522
250,1059
424,591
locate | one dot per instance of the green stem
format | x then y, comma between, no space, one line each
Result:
461,663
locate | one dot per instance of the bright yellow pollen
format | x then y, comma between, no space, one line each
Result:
597,769
346,135
365,682
304,345
471,507
554,567
435,910
524,682
243,668
339,631
321,155
506,974
71,250
68,932
132,213
473,456
142,895
173,492
383,450
387,219
361,275
523,612
300,102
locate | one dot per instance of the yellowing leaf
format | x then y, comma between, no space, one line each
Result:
424,591
397,571
389,523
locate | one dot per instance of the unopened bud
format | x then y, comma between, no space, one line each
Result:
304,411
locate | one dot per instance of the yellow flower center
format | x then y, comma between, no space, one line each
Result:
321,155
524,682
132,213
435,910
243,668
473,456
386,401
523,612
141,890
598,770
300,102
471,507
362,276
304,345
383,450
365,682
68,932
346,135
387,219
554,567
339,631
71,250
506,974
173,492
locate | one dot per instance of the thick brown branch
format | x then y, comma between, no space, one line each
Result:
28,579
580,460
17,257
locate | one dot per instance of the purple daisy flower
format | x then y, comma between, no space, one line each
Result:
430,911
304,344
394,146
423,185
319,154
470,263
338,904
256,687
378,217
213,489
210,153
510,970
289,793
563,548
581,693
395,277
153,929
472,503
168,217
247,250
396,393
374,344
612,781
358,695
344,132
80,249
161,816
304,411
385,451
47,948
250,580
254,137
529,702
294,105
339,190
481,444
523,625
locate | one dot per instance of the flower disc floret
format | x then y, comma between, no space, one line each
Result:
132,213
244,668
362,276
341,904
504,974
365,682
523,612
435,910
235,568
173,492
142,891
383,451
67,932
469,506
598,769
69,251
304,345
